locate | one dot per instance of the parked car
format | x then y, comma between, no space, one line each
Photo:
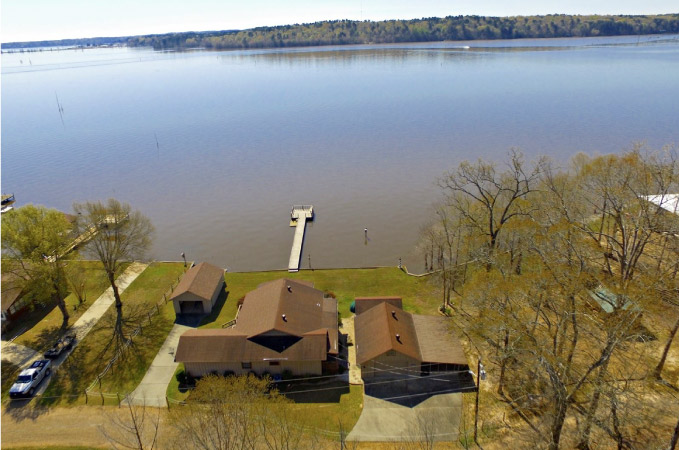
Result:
64,343
29,379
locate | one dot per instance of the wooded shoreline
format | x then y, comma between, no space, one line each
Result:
351,32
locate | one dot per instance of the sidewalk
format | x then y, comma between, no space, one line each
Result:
152,389
354,368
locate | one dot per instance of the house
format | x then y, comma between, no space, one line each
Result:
14,303
391,343
198,289
283,325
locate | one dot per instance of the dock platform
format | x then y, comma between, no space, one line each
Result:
299,215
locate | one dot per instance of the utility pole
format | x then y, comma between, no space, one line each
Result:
480,375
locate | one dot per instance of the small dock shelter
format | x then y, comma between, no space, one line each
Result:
198,290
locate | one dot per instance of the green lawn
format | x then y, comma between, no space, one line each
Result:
93,353
419,295
43,326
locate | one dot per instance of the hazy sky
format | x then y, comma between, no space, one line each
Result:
30,20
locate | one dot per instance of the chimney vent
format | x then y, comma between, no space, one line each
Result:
398,337
284,318
393,313
289,288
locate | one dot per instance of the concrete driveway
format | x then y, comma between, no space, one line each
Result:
18,354
414,410
153,387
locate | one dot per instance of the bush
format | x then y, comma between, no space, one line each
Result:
330,294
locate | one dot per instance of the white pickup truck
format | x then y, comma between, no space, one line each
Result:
29,379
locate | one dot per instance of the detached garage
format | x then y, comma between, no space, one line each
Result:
198,290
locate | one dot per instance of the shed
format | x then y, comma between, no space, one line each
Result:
198,290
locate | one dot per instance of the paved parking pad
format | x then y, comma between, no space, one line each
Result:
412,409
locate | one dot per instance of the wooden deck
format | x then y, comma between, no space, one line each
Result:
299,215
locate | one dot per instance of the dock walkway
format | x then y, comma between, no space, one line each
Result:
299,215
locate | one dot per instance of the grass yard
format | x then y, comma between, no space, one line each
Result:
93,353
419,295
43,326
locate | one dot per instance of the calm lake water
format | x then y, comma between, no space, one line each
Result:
216,147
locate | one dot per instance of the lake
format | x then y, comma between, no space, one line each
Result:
216,147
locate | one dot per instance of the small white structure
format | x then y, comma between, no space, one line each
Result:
669,202
198,290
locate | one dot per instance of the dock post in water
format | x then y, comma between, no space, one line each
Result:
299,215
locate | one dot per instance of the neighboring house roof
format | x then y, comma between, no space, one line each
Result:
308,332
200,280
11,291
365,303
669,202
283,305
423,338
382,328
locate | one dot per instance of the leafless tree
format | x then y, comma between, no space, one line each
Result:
136,429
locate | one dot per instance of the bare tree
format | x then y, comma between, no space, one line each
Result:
487,199
137,429
118,234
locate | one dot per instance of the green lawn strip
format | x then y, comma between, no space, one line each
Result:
44,326
91,356
419,295
173,391
324,405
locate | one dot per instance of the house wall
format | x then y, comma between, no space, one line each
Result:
258,367
389,365
215,295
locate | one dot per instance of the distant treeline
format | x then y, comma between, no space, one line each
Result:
341,32
420,30
85,42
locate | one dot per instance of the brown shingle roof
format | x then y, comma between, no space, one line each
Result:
376,331
308,333
263,309
219,345
438,342
424,338
365,303
11,291
200,280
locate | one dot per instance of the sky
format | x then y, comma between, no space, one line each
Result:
34,20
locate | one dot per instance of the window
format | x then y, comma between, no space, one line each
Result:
274,363
246,365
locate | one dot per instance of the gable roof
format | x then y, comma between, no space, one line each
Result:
423,338
377,329
365,303
263,309
229,345
11,290
200,280
308,332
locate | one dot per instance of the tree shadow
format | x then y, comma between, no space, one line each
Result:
314,391
411,391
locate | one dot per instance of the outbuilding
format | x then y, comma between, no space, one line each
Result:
392,343
198,290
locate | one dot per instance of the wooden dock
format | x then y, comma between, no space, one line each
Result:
299,215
